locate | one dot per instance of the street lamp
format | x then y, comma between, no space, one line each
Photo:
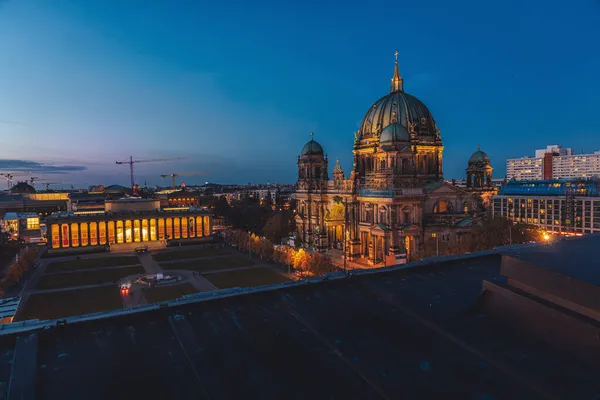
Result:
249,244
437,244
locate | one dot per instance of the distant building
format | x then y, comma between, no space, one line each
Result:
86,202
554,162
22,187
526,168
557,205
22,226
41,203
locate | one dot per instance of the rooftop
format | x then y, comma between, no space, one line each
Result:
416,332
75,215
569,257
557,187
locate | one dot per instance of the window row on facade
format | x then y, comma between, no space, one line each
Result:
555,214
75,234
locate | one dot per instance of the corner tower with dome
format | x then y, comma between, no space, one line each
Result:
395,197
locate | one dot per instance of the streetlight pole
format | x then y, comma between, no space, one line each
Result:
249,244
437,244
345,233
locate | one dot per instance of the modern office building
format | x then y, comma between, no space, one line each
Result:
126,221
560,206
524,169
554,162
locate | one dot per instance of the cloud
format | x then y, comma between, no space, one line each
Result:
7,122
34,166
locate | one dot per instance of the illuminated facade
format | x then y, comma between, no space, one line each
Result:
125,222
556,205
554,162
395,196
526,168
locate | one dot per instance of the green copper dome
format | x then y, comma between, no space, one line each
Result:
478,157
312,148
392,134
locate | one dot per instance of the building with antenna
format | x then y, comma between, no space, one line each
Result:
395,198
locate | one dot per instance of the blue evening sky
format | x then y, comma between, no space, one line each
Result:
237,86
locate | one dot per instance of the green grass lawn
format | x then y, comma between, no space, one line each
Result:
86,263
191,253
70,303
164,293
56,281
245,278
209,264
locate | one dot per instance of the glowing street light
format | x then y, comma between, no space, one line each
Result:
546,237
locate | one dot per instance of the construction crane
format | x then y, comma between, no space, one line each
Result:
174,175
32,179
131,161
51,183
10,175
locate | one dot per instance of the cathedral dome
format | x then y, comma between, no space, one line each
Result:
392,134
312,148
479,157
399,106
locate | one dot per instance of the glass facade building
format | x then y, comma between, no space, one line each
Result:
560,206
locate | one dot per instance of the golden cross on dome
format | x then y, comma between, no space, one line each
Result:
478,147
396,54
312,135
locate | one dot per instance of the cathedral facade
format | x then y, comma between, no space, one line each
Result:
395,197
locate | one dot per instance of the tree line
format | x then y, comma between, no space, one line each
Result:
299,260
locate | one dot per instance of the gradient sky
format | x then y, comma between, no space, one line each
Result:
237,86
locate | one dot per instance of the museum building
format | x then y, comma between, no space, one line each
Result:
129,220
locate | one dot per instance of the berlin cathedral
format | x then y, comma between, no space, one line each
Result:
395,198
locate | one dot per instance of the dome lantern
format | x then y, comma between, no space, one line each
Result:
397,84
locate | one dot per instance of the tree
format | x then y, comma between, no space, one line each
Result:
222,208
277,226
320,264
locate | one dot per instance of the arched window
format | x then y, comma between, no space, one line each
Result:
406,215
442,206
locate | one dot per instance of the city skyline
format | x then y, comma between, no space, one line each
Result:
237,90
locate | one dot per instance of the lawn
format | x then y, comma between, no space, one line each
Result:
192,253
70,303
80,278
209,264
164,293
245,278
87,263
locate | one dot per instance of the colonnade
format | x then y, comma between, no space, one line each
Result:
99,233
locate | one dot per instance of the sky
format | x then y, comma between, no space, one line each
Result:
236,87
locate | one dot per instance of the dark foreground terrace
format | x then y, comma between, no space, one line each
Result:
421,332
